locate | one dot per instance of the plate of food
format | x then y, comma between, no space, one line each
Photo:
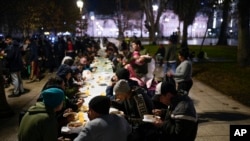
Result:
150,118
81,95
69,114
75,127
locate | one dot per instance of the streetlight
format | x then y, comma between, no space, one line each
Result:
79,4
92,18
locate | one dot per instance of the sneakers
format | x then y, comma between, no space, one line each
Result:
20,93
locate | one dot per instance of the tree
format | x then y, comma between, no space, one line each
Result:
186,11
224,25
29,16
243,54
152,17
125,10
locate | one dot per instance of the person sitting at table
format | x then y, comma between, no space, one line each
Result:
85,62
118,63
57,82
70,105
122,73
77,78
102,125
179,121
39,122
135,104
65,72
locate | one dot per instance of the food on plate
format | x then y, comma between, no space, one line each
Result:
84,108
69,114
74,124
81,117
103,94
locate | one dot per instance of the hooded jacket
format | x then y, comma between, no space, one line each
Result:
38,124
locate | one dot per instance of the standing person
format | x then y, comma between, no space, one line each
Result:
15,65
70,50
33,60
160,53
138,65
178,122
3,63
49,59
169,58
183,74
59,49
25,58
40,123
102,125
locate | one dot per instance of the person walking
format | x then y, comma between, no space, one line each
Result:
15,65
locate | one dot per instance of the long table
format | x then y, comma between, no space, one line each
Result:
95,84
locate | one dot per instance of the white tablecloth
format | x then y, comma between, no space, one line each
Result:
100,78
96,84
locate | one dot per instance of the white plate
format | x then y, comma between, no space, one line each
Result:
148,120
151,119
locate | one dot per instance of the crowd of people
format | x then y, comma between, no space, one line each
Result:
128,91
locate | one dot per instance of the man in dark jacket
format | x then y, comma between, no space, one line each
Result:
15,65
179,121
135,103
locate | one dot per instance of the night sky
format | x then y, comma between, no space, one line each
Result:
109,6
101,6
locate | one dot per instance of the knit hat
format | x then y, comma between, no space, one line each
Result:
100,104
122,73
63,70
168,87
121,86
158,89
52,97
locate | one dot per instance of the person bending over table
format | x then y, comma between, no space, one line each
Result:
121,73
178,122
102,125
135,103
39,122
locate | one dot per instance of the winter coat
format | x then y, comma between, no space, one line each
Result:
14,57
38,124
180,123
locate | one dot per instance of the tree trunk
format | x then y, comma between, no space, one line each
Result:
152,37
184,36
223,29
5,110
243,54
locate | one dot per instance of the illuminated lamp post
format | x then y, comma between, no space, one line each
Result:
92,18
79,4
